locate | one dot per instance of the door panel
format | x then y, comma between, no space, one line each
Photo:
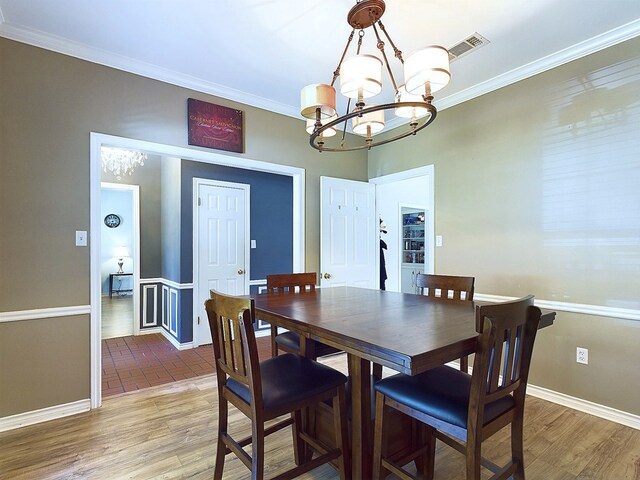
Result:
347,233
223,246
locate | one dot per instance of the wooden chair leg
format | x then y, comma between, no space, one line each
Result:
257,449
377,372
377,436
298,444
274,345
342,435
425,464
464,364
517,447
474,456
221,449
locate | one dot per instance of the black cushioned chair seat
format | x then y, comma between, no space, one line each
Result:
289,378
442,393
292,341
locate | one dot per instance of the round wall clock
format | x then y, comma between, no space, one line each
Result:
112,220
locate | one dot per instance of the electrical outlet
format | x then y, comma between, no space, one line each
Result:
582,355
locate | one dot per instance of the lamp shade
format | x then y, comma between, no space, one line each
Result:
427,66
329,132
121,252
318,95
361,75
373,120
409,112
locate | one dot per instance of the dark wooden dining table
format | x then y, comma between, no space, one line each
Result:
407,333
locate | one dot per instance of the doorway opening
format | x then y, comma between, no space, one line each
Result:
119,259
96,141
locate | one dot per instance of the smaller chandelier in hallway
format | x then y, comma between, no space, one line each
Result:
121,161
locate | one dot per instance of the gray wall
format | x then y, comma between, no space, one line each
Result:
536,191
49,104
170,212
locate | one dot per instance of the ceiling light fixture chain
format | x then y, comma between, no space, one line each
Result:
425,71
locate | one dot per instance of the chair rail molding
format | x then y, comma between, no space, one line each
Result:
41,313
584,308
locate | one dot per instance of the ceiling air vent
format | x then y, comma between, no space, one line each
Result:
472,42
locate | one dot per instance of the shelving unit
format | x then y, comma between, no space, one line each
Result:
412,244
413,238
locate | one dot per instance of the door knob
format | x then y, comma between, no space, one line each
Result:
327,276
241,272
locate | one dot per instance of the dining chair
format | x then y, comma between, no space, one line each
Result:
447,288
286,284
463,410
266,390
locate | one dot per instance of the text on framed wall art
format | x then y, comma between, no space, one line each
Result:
214,126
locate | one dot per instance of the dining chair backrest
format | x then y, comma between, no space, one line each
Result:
503,355
291,282
445,287
234,342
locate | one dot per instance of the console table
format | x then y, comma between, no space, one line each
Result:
118,275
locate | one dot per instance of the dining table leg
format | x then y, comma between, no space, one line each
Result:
361,427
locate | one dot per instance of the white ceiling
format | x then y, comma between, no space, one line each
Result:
262,52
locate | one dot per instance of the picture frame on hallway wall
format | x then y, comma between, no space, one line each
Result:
215,126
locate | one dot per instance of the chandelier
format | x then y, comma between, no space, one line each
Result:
426,71
121,161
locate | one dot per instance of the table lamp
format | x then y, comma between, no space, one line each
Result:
121,253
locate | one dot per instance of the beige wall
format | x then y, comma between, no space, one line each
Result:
537,191
49,103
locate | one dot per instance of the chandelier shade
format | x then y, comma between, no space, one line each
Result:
426,71
368,123
329,132
410,112
361,76
318,96
121,161
428,67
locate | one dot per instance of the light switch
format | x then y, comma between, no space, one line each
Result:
253,244
81,238
438,240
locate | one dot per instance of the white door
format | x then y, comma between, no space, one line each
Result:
222,211
348,233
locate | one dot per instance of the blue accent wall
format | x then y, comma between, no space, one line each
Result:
271,217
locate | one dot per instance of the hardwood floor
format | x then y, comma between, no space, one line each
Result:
168,431
117,316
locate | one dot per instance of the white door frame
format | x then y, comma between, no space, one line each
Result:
135,191
429,203
96,140
197,183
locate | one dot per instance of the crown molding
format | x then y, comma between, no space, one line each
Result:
127,64
130,65
579,50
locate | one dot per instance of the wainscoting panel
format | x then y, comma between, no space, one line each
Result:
149,306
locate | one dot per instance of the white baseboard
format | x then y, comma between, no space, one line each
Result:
602,411
595,409
44,415
174,342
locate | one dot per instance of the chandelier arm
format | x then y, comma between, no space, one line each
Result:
411,131
397,52
360,37
336,72
380,46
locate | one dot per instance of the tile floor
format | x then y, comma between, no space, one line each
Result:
136,362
